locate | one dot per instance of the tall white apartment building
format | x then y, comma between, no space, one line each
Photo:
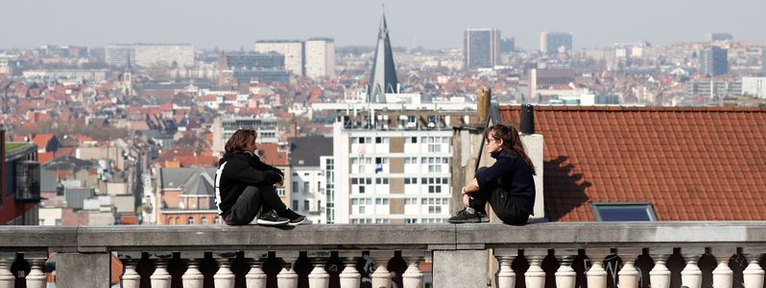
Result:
390,176
146,55
291,49
320,57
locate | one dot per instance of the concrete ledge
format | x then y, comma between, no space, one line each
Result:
32,238
611,234
324,237
382,237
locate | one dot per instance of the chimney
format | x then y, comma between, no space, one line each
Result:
527,119
483,96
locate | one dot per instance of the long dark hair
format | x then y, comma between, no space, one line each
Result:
511,141
240,139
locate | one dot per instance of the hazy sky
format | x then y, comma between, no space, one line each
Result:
230,24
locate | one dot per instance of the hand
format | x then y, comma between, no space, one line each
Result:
466,200
279,184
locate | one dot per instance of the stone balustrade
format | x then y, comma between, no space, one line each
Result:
562,255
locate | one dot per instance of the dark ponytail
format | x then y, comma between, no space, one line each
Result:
511,141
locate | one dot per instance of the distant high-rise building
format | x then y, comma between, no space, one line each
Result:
763,60
147,55
507,45
481,48
320,57
554,42
291,49
254,60
714,37
383,79
713,61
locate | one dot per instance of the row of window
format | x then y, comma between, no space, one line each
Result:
190,221
408,140
406,221
306,205
424,201
368,201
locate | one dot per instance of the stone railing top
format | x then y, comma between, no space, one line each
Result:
382,237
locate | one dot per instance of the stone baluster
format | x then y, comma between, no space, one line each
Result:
161,278
506,278
659,277
412,277
318,278
596,274
130,278
535,276
6,277
349,277
753,274
224,278
287,278
381,277
691,276
565,275
723,276
193,278
36,277
628,275
256,278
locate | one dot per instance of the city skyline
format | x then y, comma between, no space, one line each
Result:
433,25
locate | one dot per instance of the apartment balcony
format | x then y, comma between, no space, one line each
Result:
660,255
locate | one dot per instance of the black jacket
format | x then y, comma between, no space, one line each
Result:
512,179
236,171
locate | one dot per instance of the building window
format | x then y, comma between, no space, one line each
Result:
295,186
281,191
190,221
305,205
623,211
361,189
217,220
378,140
204,220
295,205
306,187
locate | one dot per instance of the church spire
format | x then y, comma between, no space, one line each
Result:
383,76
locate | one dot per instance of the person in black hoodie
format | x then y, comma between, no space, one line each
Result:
245,187
507,185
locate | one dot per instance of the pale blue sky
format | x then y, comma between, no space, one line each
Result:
230,24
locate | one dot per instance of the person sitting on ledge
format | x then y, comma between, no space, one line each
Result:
245,187
507,185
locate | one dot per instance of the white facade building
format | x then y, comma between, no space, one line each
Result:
320,58
224,127
291,49
754,86
391,176
146,55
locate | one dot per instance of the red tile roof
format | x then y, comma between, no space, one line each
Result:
689,163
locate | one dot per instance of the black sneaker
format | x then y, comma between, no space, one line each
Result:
295,218
483,216
271,219
463,216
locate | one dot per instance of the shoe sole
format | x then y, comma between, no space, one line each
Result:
270,223
296,223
